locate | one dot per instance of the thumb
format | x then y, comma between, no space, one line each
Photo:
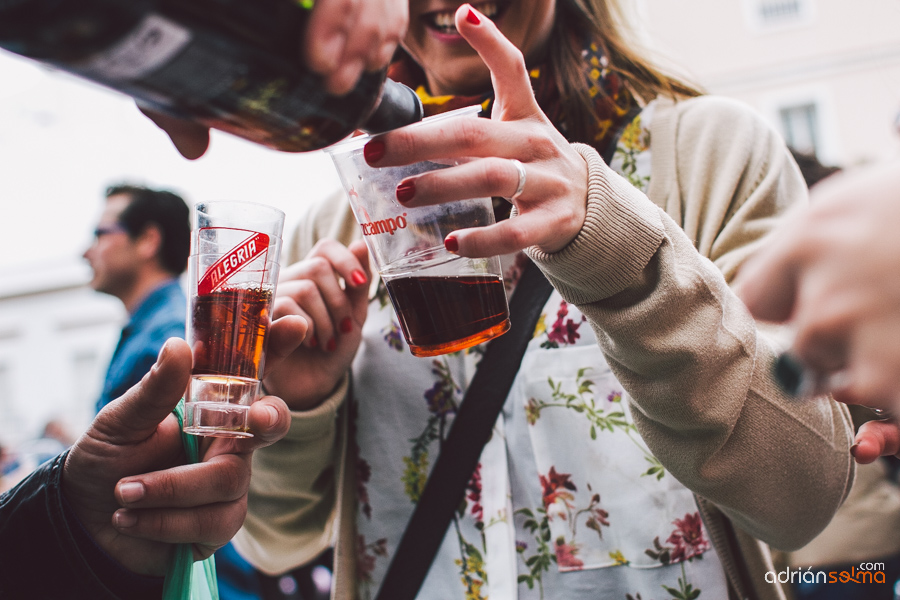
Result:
189,138
136,415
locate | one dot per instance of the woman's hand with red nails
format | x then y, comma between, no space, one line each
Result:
552,206
330,290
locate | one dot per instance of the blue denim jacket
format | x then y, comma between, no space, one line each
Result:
160,316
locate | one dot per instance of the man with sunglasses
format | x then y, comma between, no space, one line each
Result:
140,248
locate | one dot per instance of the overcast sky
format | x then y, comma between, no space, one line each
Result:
63,141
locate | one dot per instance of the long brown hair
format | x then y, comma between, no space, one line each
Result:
602,21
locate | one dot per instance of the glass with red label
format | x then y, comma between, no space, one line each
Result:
444,302
233,268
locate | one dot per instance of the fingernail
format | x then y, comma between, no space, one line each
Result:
346,325
273,417
451,244
131,492
332,345
406,191
373,151
472,17
124,519
357,277
313,342
162,354
853,450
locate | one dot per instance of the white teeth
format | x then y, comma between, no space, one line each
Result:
488,9
445,20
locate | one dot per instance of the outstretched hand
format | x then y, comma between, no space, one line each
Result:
128,482
552,205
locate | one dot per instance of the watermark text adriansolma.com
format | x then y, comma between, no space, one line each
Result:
867,572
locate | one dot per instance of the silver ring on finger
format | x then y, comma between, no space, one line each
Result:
520,187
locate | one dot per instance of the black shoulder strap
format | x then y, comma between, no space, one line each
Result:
610,150
461,450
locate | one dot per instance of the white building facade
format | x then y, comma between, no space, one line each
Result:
56,338
826,73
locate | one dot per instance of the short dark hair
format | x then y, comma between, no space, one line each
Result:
164,209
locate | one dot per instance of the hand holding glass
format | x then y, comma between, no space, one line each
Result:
233,268
444,302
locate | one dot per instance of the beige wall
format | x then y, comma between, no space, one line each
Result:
843,55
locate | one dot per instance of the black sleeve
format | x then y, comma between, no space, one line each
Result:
47,554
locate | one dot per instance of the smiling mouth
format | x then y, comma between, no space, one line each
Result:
443,22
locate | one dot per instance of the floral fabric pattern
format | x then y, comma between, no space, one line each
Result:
566,497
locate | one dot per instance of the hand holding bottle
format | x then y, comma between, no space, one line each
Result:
343,40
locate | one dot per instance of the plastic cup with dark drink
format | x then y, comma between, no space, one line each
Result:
233,268
444,302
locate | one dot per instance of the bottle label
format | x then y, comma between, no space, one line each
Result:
154,42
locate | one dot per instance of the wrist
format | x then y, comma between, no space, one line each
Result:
310,399
311,424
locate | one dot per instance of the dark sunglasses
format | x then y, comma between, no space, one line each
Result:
101,231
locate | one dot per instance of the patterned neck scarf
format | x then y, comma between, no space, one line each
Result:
612,100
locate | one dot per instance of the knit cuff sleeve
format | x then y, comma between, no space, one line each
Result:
622,231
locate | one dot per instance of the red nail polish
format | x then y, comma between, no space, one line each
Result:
451,244
406,191
357,277
346,325
332,345
313,342
373,151
472,17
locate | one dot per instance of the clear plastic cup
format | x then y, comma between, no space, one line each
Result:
233,268
444,302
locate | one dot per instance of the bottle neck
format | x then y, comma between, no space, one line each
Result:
398,106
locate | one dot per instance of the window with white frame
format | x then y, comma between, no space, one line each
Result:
767,15
800,127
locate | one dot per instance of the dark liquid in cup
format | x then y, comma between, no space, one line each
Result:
229,331
445,314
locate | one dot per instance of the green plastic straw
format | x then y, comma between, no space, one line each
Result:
186,579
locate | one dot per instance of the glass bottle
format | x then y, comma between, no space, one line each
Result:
233,65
